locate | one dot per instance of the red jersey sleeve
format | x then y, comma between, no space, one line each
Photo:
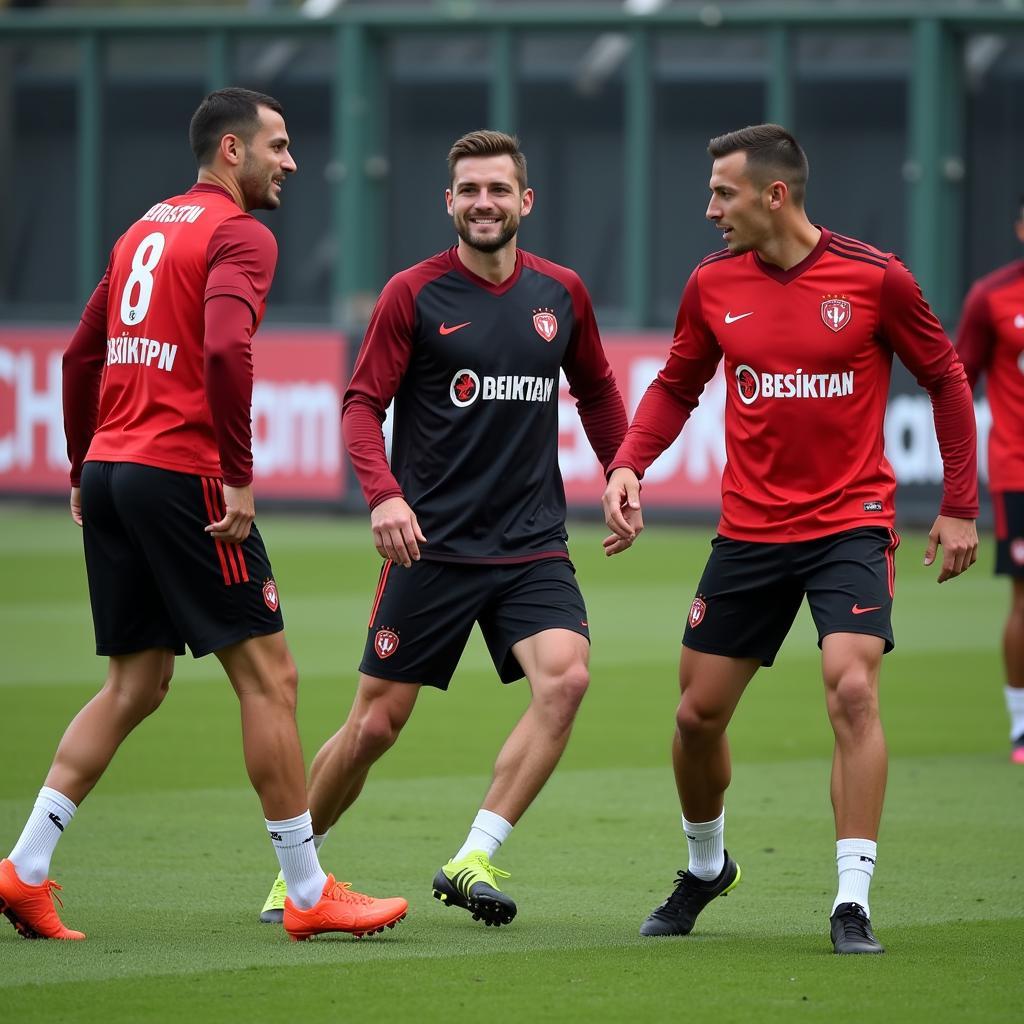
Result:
674,393
591,381
83,364
975,338
242,257
382,362
914,333
227,375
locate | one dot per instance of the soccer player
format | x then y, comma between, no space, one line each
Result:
807,321
990,340
157,389
470,515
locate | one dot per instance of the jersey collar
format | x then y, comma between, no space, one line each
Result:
785,276
481,282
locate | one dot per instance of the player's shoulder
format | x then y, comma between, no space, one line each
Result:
722,261
854,250
566,275
1008,275
413,279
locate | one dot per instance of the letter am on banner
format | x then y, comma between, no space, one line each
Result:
300,378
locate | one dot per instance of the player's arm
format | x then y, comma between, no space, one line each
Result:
975,337
383,360
666,406
241,257
917,337
82,371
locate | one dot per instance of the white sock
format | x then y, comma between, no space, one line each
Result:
855,859
31,855
489,831
318,841
706,842
296,852
1015,706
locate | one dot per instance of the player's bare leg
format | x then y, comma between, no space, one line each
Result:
851,665
264,676
379,712
710,688
135,686
555,664
1013,660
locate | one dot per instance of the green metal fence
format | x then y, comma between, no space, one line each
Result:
934,141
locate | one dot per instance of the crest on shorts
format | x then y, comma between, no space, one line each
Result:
385,643
1017,550
545,324
836,312
697,610
270,598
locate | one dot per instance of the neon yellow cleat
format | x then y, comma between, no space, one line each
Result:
472,883
273,909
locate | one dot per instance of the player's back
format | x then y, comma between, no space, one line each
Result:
153,407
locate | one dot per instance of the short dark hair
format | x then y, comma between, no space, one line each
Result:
488,143
772,154
229,111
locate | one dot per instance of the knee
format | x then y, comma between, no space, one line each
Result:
696,722
854,697
376,731
563,693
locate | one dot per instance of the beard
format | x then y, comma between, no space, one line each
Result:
256,184
463,228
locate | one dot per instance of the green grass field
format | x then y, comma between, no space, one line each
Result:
167,864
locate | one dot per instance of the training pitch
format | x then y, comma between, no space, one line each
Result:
167,863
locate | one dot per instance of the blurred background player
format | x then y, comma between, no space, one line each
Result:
807,321
157,395
470,515
990,341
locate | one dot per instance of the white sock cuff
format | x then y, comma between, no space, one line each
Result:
300,823
59,801
704,829
318,841
493,824
857,848
1014,697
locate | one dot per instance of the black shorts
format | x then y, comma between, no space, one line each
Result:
422,616
750,592
156,579
1008,513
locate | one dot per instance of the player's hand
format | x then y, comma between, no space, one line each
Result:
622,512
237,521
396,533
76,504
959,540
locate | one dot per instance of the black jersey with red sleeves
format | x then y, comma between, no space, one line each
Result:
808,355
473,368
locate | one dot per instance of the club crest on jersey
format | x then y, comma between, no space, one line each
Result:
748,383
465,388
270,598
385,643
545,324
836,312
1017,550
697,610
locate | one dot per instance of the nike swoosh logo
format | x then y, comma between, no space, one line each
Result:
444,329
730,319
857,610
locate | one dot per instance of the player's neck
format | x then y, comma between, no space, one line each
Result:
209,176
791,245
496,267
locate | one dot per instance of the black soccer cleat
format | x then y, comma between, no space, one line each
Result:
676,916
851,930
472,883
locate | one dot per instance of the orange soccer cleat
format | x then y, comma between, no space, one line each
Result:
340,909
30,907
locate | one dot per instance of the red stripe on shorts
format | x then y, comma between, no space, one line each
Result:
999,514
385,569
212,518
890,560
235,555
